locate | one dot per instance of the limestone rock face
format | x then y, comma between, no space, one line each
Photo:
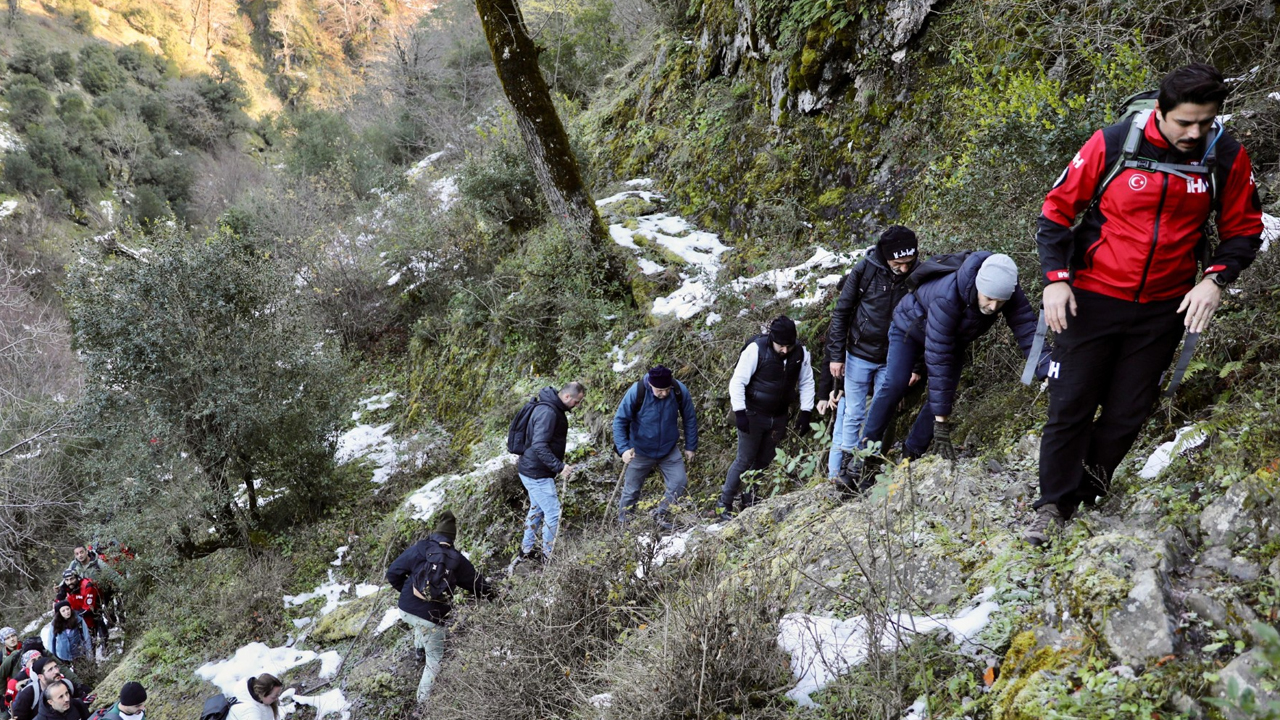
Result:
1140,630
1246,671
906,17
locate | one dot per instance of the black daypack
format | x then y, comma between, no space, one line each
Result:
217,707
518,433
936,267
433,579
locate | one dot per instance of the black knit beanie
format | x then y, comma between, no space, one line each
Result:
447,524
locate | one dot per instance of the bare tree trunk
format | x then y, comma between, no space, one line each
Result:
13,13
516,58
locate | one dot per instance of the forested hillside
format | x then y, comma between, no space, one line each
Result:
275,275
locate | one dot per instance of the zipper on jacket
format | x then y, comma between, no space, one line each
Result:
1155,236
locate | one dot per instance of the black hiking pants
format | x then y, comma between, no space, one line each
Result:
1112,355
756,449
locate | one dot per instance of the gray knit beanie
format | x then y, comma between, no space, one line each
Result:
997,277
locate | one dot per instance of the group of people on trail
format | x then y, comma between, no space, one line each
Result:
38,680
1121,239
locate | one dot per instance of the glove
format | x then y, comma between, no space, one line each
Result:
802,423
942,440
740,419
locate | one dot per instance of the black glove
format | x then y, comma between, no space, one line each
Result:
802,423
942,440
740,419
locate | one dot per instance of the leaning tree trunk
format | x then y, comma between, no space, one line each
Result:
516,58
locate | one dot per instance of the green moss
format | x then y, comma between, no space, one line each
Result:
350,619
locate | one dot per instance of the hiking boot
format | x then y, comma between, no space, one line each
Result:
1047,523
664,523
530,559
421,654
719,512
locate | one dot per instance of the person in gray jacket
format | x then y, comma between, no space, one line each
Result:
542,462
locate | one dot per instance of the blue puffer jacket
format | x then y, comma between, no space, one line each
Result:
655,429
943,316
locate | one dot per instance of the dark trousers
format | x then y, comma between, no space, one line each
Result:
904,354
756,449
1112,355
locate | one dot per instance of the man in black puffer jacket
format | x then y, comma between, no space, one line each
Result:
858,339
937,322
425,609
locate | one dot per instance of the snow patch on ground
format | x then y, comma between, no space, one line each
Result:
256,658
379,402
639,183
446,190
1187,438
329,703
649,267
713,318
787,282
824,648
919,710
389,618
35,624
602,701
669,547
414,172
371,442
619,355
7,207
642,194
331,590
1270,230
9,139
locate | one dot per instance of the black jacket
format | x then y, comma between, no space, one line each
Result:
864,312
546,438
463,574
29,702
77,711
943,316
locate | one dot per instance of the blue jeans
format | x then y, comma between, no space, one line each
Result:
544,513
835,458
861,379
904,353
640,467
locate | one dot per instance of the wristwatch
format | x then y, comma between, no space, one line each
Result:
1217,280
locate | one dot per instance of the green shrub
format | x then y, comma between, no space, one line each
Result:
99,71
149,206
499,182
206,348
30,59
64,65
82,20
144,66
23,174
28,101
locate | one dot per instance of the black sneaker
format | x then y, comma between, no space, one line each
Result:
720,512
421,654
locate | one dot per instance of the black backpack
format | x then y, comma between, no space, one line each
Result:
936,267
217,707
518,433
433,579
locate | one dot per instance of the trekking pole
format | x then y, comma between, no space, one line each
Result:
616,489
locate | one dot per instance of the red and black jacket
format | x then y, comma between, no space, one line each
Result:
1140,241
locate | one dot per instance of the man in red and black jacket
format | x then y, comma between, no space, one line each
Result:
1121,286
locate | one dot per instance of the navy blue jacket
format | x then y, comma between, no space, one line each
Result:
547,437
464,575
942,315
655,429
